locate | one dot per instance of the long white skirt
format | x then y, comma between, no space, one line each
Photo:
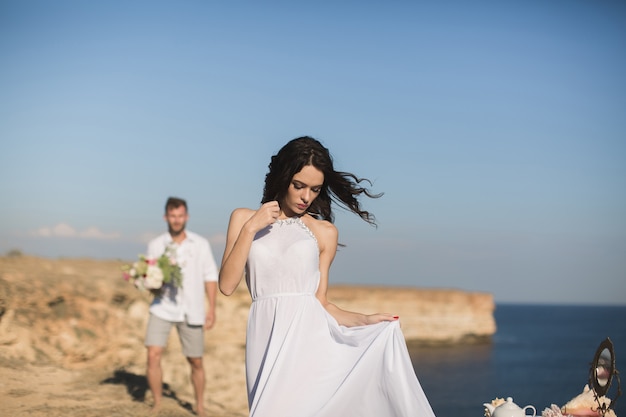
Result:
301,363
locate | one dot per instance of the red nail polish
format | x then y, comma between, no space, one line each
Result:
396,317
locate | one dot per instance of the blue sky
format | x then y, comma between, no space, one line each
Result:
496,130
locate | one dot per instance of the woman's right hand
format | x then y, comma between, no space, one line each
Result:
264,216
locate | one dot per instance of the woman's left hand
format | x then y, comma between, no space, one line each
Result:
378,317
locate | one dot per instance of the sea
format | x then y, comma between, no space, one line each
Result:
540,355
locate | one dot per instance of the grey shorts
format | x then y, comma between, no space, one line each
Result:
191,336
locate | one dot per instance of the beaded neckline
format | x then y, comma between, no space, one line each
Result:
288,220
298,221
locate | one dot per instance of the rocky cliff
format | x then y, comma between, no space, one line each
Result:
427,316
80,315
48,306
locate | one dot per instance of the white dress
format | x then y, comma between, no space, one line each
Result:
299,361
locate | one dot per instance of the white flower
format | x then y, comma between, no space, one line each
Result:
154,277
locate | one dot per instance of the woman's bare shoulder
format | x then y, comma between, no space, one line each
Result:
243,211
241,215
322,229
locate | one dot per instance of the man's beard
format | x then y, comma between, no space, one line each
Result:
175,232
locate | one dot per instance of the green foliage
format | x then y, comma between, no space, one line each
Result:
171,271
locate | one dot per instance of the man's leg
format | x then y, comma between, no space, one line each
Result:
197,380
154,374
192,341
157,333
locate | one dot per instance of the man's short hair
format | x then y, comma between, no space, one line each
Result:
173,203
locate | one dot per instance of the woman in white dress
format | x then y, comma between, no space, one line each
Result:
306,357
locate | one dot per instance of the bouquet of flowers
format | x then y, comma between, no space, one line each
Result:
152,274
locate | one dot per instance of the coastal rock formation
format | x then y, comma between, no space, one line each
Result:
65,317
427,316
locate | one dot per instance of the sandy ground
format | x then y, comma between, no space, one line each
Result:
71,344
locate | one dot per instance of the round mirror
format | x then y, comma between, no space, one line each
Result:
603,367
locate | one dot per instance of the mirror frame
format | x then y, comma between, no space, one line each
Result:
601,390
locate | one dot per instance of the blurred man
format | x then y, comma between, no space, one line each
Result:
181,307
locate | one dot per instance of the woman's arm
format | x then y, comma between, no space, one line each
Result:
242,227
327,238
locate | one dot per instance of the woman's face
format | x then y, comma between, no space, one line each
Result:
304,188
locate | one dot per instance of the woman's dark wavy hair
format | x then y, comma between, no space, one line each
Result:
341,187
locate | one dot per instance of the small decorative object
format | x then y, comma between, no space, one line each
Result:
585,405
154,273
494,403
602,373
507,409
553,411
